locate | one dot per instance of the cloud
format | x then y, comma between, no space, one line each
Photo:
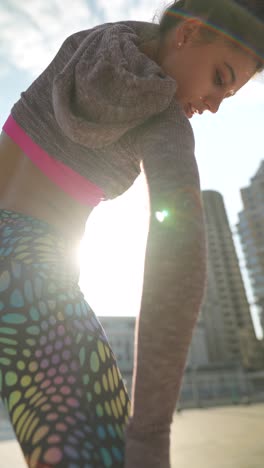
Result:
32,31
117,10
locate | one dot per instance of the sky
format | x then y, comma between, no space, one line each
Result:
229,144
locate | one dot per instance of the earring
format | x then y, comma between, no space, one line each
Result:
179,45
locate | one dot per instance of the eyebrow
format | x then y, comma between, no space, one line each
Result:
233,76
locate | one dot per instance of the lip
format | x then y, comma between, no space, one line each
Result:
188,110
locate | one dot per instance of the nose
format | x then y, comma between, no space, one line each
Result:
213,103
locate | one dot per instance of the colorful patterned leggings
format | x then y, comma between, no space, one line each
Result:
58,377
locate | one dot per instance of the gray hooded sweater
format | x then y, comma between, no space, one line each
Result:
103,108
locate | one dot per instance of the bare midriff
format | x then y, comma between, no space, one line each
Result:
25,189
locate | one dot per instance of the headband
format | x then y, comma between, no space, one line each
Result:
228,18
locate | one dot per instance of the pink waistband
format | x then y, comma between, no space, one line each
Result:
75,185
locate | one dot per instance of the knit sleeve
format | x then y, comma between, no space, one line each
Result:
173,285
107,86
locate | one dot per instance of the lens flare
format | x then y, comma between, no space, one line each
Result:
161,215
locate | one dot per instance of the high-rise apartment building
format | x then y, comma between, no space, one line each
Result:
226,314
202,382
120,334
251,231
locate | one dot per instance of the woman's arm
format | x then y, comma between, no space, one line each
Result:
173,287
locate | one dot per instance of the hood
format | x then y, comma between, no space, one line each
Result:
108,86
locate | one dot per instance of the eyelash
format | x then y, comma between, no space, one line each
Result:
218,79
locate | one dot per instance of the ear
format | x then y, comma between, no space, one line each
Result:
187,31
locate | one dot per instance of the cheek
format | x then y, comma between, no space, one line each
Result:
192,76
187,86
190,81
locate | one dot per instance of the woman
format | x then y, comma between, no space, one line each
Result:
114,98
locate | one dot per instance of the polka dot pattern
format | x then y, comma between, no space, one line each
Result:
58,376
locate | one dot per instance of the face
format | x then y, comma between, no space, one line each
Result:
206,73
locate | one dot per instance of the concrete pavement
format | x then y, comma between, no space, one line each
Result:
229,437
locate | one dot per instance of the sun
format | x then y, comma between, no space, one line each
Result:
112,253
